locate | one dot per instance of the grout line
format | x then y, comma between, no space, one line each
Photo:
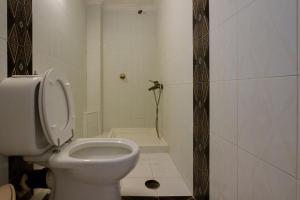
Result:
235,13
256,78
267,162
237,133
297,140
213,134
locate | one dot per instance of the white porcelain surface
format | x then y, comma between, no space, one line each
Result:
223,169
98,154
260,181
17,104
224,51
223,109
267,124
94,167
3,19
267,31
56,108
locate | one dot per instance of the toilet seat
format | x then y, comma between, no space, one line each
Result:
56,108
68,157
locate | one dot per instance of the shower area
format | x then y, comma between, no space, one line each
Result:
124,88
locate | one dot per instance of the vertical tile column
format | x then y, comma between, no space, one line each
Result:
19,35
19,62
201,98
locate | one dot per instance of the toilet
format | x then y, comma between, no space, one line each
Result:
37,122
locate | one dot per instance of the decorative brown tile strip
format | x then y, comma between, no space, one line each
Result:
19,37
201,99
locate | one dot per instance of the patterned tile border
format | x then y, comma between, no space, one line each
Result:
201,99
19,37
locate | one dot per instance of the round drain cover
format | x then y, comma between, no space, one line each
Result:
152,184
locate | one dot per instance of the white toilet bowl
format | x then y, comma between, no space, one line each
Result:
42,110
92,168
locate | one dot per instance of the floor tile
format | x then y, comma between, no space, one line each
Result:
172,187
176,198
136,187
141,170
139,198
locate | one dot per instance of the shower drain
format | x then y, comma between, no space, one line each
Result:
152,184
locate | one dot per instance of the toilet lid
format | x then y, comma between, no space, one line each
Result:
56,108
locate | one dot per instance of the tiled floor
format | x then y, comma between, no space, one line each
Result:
157,198
157,166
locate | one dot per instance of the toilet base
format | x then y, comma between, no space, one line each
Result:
68,188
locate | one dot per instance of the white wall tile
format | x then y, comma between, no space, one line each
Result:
298,190
223,169
3,59
223,109
175,65
260,181
224,51
220,10
178,128
3,19
59,42
267,120
175,39
298,155
129,46
267,31
93,40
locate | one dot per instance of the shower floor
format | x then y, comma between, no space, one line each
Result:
146,138
159,167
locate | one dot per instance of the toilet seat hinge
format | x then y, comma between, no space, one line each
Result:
58,147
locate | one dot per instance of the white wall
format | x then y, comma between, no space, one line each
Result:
175,50
129,46
94,72
59,42
253,71
3,74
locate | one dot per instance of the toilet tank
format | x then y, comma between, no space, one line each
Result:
21,133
